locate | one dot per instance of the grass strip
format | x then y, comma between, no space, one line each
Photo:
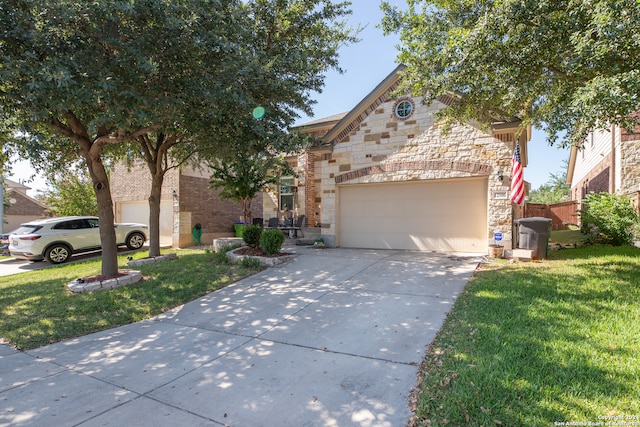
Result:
37,309
540,344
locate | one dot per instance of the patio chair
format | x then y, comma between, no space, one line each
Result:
298,225
273,222
258,221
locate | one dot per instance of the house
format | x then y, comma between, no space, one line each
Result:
186,201
608,161
22,207
385,175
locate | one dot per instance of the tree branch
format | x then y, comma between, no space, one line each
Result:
124,136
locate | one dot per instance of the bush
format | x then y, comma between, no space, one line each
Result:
609,218
271,241
251,235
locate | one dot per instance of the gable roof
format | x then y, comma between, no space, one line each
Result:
10,184
339,126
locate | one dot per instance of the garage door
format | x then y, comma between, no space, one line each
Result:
139,212
443,215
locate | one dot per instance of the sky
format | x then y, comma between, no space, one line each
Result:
366,64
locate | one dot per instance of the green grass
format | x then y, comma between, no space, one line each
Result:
569,237
534,344
37,309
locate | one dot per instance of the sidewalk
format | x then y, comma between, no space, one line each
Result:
331,338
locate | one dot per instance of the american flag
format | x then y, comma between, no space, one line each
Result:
517,179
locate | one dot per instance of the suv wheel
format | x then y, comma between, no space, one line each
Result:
58,253
135,241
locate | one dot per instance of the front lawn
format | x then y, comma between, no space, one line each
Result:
540,344
37,309
570,237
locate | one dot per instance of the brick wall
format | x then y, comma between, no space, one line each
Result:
200,204
596,181
195,202
23,206
134,183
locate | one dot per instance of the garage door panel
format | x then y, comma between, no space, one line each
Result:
446,215
139,212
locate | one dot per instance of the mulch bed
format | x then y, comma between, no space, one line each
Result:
100,277
247,250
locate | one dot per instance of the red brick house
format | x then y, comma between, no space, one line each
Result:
186,201
22,207
608,161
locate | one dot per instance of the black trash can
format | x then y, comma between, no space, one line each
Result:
534,235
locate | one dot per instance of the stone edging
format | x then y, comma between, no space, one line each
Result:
80,285
268,261
143,261
222,243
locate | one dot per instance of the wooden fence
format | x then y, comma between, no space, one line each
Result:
561,214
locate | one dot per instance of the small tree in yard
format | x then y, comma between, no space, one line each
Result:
240,178
609,218
71,193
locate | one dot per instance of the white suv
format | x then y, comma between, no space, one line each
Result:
56,239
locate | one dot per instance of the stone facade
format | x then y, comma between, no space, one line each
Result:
383,148
630,163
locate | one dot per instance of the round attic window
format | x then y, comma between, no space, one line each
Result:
404,109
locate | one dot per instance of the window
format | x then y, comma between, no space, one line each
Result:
286,193
76,224
404,109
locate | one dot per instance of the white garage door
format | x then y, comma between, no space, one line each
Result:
443,215
139,212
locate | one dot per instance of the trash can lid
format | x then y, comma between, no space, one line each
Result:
533,219
536,224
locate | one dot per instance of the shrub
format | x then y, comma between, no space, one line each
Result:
251,235
609,218
271,241
250,262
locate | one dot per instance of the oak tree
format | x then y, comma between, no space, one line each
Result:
565,66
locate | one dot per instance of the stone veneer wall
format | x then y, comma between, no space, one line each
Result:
630,163
385,149
310,190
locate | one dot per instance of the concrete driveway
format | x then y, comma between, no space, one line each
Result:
331,338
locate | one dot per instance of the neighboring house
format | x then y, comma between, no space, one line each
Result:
608,161
186,201
386,176
22,207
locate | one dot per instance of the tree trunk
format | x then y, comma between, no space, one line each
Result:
246,210
106,221
154,213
